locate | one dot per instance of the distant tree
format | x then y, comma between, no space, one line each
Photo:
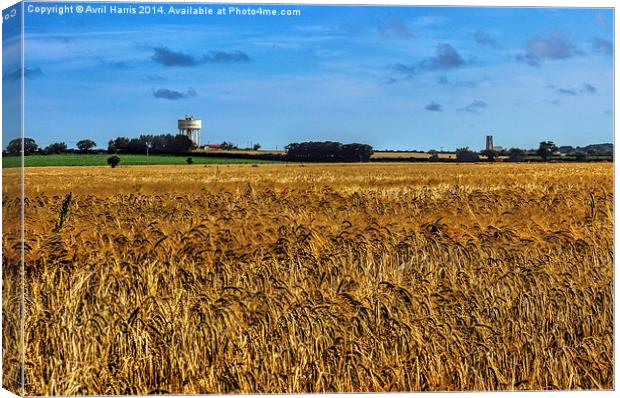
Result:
228,146
57,147
581,156
182,143
118,145
434,155
113,161
30,146
156,143
466,155
355,153
546,149
490,154
15,146
86,145
329,151
136,146
189,160
566,149
598,149
256,147
516,154
165,143
502,152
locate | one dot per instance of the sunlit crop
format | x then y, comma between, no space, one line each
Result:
290,278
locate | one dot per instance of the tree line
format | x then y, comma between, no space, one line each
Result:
328,151
165,143
31,147
311,151
162,144
547,150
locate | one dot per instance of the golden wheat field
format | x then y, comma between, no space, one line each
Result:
238,279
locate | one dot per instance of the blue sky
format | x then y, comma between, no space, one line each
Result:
393,77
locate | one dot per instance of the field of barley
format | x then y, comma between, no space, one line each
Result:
283,278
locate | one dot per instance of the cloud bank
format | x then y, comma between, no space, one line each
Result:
485,39
166,57
395,28
434,107
475,106
603,46
586,88
446,57
173,95
541,48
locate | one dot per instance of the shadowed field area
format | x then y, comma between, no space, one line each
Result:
399,277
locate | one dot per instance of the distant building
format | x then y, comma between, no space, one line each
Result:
191,128
489,146
212,147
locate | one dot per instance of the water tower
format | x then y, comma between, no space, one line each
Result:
191,128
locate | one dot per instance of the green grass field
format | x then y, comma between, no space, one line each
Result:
72,159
